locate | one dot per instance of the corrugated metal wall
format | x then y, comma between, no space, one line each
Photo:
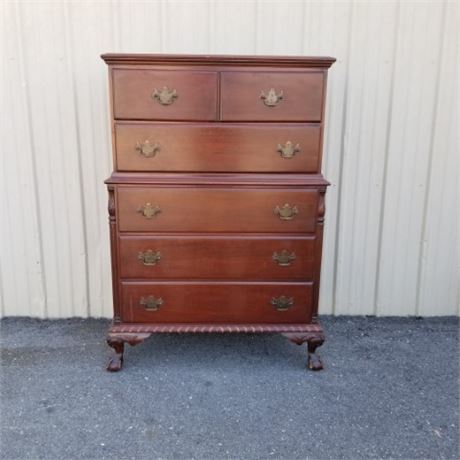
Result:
391,148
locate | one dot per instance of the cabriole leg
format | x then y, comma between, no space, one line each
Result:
116,360
314,361
314,340
117,342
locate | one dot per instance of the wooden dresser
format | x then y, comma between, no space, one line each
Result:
216,202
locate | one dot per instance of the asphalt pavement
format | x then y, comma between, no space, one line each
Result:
390,389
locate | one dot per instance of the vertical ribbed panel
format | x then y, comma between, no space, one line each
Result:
391,151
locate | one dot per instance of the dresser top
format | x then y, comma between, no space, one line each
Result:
226,60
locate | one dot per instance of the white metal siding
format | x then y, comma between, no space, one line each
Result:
391,243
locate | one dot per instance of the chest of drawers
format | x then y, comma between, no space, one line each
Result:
216,202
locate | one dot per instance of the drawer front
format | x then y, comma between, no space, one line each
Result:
217,147
272,96
216,257
164,95
189,302
174,209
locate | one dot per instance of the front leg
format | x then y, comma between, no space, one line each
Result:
314,340
117,342
116,360
314,361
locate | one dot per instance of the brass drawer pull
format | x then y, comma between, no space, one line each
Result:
149,257
165,96
288,150
271,99
282,303
147,149
284,259
151,303
286,212
148,210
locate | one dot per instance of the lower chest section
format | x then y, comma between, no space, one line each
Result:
227,254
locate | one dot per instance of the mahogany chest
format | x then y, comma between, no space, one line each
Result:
216,202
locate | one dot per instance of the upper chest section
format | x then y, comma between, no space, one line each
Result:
205,88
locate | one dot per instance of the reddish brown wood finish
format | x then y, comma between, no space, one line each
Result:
217,176
216,302
197,180
217,257
217,60
314,340
135,333
196,94
114,252
302,96
312,327
215,210
217,147
117,342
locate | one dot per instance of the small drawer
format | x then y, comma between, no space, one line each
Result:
217,257
272,96
164,95
218,147
187,209
208,302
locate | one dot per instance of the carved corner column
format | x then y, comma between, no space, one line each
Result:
114,253
319,248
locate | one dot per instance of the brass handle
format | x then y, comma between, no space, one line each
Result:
148,210
282,303
149,257
271,99
151,303
288,150
165,96
147,149
283,259
286,212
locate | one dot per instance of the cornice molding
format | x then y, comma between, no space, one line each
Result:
218,60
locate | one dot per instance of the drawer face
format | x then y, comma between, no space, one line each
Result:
302,96
200,209
187,95
218,147
216,257
189,302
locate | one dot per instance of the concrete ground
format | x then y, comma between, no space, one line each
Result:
389,390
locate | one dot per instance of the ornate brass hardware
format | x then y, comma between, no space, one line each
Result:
149,257
282,303
148,210
283,259
271,99
286,212
151,303
148,149
165,96
288,150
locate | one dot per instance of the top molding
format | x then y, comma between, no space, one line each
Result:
226,60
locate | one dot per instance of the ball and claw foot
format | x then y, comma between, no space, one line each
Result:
314,362
117,342
116,360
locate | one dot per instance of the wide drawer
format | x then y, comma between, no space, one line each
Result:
270,96
216,257
217,147
207,302
164,95
186,209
